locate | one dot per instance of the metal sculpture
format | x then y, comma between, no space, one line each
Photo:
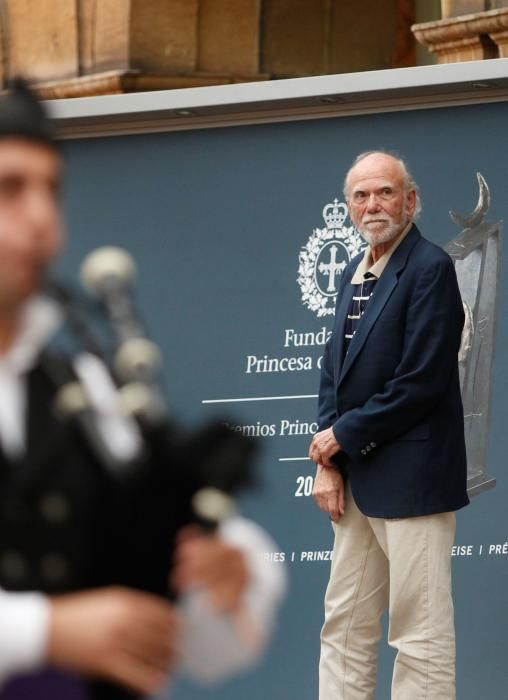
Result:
476,252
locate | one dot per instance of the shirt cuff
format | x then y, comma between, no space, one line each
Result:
24,629
217,645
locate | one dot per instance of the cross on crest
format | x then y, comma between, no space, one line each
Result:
332,268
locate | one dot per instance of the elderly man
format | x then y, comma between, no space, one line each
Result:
62,542
390,450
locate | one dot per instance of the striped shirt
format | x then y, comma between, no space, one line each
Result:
361,294
364,281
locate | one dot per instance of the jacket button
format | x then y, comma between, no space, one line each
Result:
364,452
54,568
13,566
373,444
368,448
54,507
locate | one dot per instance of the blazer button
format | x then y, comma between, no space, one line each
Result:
364,452
54,507
373,444
368,448
13,566
54,568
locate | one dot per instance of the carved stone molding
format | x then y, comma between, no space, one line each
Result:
466,38
119,82
501,41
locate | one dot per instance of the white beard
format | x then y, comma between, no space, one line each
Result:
382,233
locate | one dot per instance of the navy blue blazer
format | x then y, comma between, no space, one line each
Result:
394,400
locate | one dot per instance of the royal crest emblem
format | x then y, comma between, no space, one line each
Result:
324,257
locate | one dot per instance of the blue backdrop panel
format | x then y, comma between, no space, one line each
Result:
216,220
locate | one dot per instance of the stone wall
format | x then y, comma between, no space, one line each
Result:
82,47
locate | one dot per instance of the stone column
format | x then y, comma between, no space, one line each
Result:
40,39
229,36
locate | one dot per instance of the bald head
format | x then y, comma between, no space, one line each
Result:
381,195
390,160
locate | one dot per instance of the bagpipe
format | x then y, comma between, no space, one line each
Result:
178,476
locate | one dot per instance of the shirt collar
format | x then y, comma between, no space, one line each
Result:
40,318
376,269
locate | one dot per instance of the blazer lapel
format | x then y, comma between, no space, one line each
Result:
382,292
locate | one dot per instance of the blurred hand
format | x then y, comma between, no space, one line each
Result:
204,560
328,491
323,446
125,636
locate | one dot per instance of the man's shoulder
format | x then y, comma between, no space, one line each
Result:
426,253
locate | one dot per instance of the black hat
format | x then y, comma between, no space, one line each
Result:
23,116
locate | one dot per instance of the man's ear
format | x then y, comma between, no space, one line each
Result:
411,202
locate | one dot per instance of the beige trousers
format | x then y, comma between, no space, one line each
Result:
403,565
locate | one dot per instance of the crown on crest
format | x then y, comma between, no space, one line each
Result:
335,214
